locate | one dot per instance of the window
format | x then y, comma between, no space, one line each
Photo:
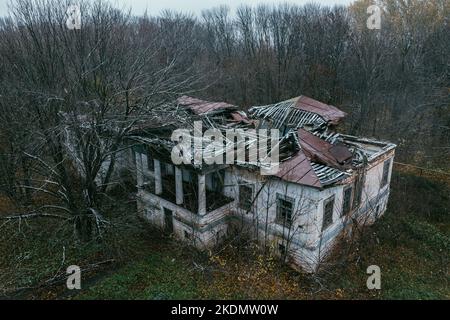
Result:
386,166
285,206
218,236
282,249
150,164
328,207
346,204
245,197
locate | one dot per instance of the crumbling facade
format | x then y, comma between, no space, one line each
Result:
326,181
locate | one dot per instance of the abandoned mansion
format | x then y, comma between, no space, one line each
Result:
325,182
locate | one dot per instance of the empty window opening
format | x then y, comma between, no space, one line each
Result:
358,190
346,204
386,166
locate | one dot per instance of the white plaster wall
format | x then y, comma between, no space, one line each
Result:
304,231
153,206
310,243
373,181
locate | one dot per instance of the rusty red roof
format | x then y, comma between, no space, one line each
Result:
199,106
314,151
328,112
340,152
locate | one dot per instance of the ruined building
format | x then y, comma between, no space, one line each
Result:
326,181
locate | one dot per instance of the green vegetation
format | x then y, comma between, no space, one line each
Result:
157,276
410,243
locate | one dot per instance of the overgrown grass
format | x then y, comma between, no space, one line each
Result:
173,274
157,276
410,244
412,259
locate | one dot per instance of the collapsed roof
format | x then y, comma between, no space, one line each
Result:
310,152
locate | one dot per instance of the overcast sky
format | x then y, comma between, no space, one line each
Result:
154,7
